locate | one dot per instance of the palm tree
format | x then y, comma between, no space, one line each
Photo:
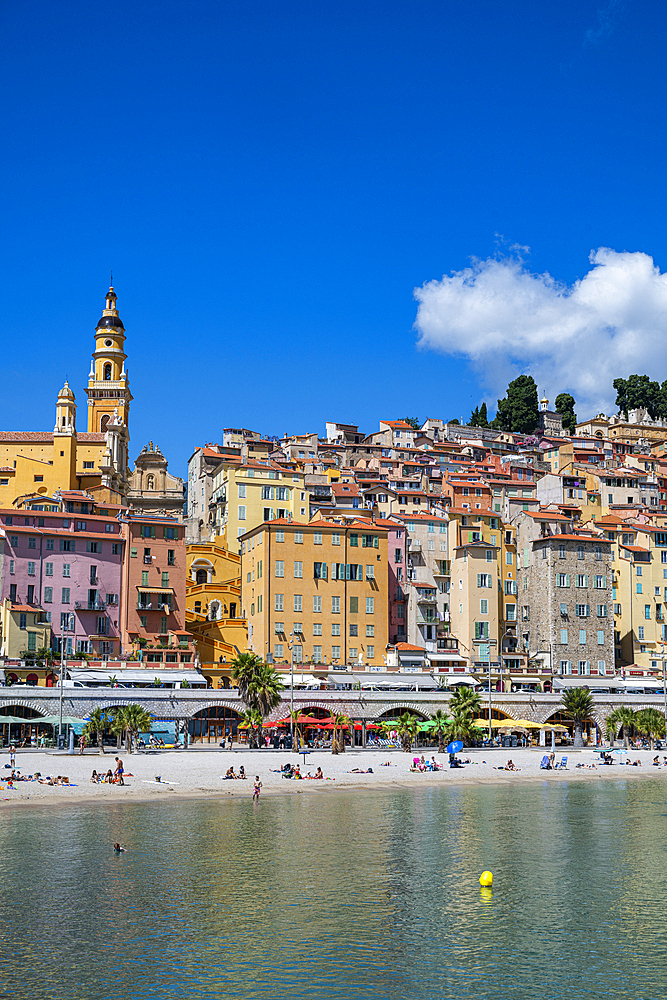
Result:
625,717
136,720
244,668
406,727
441,719
650,722
264,689
97,722
118,726
253,720
578,706
611,728
339,720
465,701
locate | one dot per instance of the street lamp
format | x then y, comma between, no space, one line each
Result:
62,674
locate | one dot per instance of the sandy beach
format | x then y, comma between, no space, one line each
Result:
199,772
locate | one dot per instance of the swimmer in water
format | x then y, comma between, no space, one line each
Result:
118,849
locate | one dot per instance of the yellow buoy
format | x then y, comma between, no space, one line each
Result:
486,879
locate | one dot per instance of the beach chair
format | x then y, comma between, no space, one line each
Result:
562,766
544,763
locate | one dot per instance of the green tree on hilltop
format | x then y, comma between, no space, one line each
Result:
565,404
639,390
518,410
478,417
413,421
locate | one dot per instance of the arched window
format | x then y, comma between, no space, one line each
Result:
150,482
103,422
107,372
202,576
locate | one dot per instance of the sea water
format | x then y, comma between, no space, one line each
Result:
337,894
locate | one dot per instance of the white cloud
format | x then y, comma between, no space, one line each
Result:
577,339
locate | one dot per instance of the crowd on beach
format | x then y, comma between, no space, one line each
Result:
111,777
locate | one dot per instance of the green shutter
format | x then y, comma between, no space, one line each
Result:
604,582
153,531
585,580
567,579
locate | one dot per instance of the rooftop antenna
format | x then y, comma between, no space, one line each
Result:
111,283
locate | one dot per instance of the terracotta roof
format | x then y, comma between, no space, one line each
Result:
573,538
417,516
405,647
25,607
546,515
89,436
398,423
345,489
7,468
26,435
634,548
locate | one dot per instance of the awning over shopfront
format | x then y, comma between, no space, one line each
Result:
384,681
594,683
168,675
155,590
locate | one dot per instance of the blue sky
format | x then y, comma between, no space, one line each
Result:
271,181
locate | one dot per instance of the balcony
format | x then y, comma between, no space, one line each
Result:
148,560
90,606
414,546
427,620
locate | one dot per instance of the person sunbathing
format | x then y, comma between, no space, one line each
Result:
318,773
94,777
510,766
229,775
359,770
242,773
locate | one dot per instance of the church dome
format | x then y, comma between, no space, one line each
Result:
66,392
110,323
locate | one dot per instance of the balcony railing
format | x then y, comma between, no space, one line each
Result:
90,606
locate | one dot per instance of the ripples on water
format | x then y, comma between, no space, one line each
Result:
342,895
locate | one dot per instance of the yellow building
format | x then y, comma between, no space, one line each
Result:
23,630
249,495
475,547
322,586
639,582
96,460
213,608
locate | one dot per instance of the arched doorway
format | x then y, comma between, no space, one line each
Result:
212,724
21,726
107,372
202,576
316,711
393,713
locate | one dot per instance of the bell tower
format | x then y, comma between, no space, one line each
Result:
108,382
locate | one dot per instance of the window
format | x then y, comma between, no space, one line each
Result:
66,569
580,552
112,598
639,571
370,605
279,628
280,535
370,572
353,652
31,543
317,605
398,555
66,545
298,537
582,610
298,570
510,612
582,637
354,605
12,592
241,491
562,579
484,607
133,553
600,582
602,610
335,652
278,651
484,580
600,638
370,631
31,569
280,567
335,628
581,581
639,588
584,668
49,544
268,513
647,612
481,630
489,555
335,539
48,595
335,605
278,602
317,538
509,558
354,629
563,636
242,512
319,571
65,595
370,652
144,578
298,602
561,551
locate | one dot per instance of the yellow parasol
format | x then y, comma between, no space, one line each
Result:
555,726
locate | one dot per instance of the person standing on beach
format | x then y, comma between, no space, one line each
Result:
82,744
12,755
256,789
119,771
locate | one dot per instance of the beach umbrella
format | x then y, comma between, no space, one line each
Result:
620,751
556,727
455,747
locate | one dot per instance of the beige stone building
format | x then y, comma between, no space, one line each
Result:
321,587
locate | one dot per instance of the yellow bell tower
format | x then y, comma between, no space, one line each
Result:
108,383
